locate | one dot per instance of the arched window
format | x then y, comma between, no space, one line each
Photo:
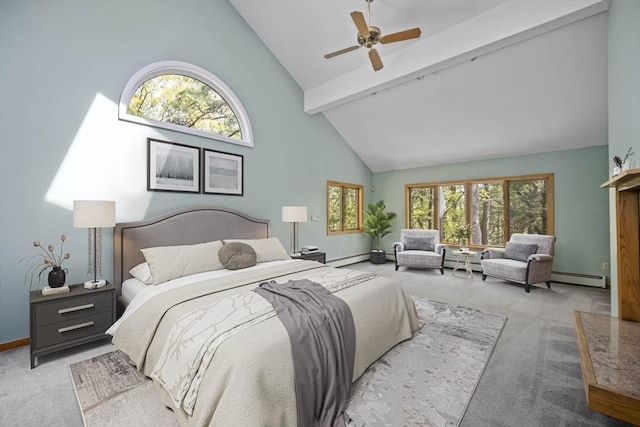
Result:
185,98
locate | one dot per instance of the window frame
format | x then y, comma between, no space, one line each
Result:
468,200
360,209
182,68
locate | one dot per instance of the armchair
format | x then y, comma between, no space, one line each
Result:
419,249
526,259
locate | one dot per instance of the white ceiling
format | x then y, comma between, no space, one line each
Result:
487,78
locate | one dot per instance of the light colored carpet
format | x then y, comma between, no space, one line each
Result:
428,380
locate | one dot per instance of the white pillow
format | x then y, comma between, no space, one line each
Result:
171,262
269,249
142,272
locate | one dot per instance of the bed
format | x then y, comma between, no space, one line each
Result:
246,375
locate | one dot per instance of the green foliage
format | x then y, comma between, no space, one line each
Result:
343,208
184,101
377,222
445,207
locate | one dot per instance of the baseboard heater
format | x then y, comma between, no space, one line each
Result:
596,281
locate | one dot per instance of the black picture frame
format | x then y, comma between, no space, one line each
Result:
222,173
173,167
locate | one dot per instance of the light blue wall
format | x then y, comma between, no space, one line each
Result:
624,101
63,65
581,206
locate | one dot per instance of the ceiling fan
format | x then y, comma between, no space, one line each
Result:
368,36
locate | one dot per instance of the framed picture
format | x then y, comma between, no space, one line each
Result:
172,167
222,173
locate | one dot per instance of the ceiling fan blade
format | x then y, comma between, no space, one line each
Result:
361,24
341,51
376,62
413,33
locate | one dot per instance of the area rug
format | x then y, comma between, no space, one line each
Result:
426,381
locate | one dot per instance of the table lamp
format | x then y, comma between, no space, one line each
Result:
294,215
94,215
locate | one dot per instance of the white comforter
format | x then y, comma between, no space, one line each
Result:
250,380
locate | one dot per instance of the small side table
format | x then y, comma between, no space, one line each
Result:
313,256
466,256
67,320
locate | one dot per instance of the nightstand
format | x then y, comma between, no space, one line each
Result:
315,256
67,320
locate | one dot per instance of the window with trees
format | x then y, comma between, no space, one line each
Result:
185,98
490,209
344,208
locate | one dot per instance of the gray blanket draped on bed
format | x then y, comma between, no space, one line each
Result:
322,335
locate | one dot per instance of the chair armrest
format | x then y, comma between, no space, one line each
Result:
439,248
541,258
398,247
492,253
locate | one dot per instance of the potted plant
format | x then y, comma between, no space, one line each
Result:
377,224
463,233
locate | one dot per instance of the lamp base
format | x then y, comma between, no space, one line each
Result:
94,284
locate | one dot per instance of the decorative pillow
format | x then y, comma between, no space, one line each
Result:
269,249
520,251
422,243
171,262
237,255
142,272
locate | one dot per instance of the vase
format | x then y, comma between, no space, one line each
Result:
464,243
57,277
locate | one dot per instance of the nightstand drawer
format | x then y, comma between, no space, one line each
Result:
73,308
69,330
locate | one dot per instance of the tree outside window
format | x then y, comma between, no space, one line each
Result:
494,208
344,208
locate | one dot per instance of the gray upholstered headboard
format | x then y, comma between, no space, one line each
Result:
182,227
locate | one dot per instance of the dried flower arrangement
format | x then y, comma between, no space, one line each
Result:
40,262
619,162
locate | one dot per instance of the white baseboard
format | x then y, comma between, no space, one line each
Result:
597,281
350,260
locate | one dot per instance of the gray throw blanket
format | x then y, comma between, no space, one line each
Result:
322,336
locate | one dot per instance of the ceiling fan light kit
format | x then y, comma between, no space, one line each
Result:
369,36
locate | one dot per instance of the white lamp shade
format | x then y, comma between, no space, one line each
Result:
294,214
94,213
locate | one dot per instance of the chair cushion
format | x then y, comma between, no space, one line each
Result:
508,269
426,259
519,251
422,243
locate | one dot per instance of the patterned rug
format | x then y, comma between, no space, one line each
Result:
425,381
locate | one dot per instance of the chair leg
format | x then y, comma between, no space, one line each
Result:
549,284
526,287
484,276
397,266
442,270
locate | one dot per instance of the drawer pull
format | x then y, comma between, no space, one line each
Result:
76,308
74,327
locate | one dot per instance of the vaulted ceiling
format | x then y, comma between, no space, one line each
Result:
486,79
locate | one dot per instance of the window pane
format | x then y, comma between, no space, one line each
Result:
335,208
528,206
421,201
350,208
185,101
451,205
487,214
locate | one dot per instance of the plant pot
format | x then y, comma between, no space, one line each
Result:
378,257
57,277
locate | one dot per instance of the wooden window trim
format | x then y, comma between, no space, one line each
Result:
360,209
469,182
